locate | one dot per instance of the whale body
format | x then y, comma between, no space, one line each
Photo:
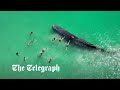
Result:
74,39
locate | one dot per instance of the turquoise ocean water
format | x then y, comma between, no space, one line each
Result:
101,28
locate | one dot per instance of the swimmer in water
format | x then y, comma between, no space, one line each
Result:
25,58
40,54
45,48
68,43
31,33
42,51
31,41
53,39
61,39
49,60
17,53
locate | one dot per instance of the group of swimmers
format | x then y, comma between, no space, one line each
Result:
44,49
61,39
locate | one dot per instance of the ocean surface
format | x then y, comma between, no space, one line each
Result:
101,28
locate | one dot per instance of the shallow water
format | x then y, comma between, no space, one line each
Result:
101,28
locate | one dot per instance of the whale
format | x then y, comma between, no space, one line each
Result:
74,39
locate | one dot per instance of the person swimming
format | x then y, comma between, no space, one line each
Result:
53,39
42,51
45,49
31,33
61,39
68,43
25,58
49,60
30,42
17,54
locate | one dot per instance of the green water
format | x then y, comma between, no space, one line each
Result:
98,27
